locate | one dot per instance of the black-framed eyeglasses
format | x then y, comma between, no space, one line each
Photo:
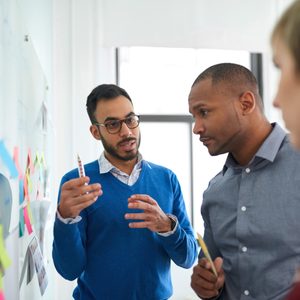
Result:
114,126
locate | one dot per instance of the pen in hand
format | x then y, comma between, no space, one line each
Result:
77,194
80,167
81,171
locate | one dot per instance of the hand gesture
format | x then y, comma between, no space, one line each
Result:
76,195
204,282
152,217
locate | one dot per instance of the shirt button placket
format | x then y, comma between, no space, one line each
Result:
242,218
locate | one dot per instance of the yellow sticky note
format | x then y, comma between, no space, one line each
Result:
206,253
4,258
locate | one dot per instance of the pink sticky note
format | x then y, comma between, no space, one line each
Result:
16,160
27,221
1,295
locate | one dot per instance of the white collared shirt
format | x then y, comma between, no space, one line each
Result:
105,166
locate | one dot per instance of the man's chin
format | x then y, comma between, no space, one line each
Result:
129,156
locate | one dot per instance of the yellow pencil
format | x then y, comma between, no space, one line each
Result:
206,253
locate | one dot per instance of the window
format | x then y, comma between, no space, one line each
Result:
159,81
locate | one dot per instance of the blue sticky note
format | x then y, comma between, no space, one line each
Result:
8,161
21,190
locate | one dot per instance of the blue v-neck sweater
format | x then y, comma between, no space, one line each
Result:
112,261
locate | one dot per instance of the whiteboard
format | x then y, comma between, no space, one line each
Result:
23,125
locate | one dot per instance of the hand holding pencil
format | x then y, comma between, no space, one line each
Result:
76,194
206,253
208,275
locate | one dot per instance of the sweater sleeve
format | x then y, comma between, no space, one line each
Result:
181,246
69,246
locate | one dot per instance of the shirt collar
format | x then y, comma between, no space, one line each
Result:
268,150
105,166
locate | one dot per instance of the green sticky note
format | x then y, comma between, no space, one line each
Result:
4,258
21,223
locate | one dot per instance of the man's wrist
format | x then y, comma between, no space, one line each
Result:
168,233
173,222
68,220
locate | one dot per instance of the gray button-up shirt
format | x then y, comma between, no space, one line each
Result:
252,220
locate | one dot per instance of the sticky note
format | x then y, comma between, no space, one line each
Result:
29,181
30,163
26,192
21,190
8,161
4,258
21,223
16,160
27,220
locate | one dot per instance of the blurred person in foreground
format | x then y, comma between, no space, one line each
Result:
286,56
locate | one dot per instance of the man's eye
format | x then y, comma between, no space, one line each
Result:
130,120
112,124
203,112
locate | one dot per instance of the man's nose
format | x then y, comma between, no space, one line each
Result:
125,130
198,126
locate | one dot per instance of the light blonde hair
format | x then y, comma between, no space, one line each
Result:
287,29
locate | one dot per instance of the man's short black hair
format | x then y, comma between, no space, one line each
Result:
103,92
238,78
227,72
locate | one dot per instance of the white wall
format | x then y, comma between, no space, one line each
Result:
230,24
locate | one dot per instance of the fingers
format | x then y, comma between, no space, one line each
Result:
79,186
152,217
203,281
76,195
221,275
139,216
206,271
71,211
76,182
149,220
218,263
140,225
142,199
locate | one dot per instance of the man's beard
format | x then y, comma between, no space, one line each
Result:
113,152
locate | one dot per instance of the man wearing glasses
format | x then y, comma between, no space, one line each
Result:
118,227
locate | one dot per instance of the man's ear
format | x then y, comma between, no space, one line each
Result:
247,102
95,132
